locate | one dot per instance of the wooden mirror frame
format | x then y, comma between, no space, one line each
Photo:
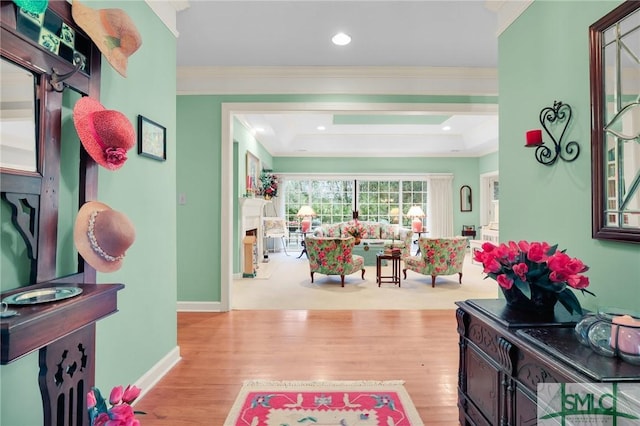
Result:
596,41
466,201
39,190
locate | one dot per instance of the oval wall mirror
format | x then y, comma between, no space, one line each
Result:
465,198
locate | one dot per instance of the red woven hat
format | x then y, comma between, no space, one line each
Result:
102,236
106,134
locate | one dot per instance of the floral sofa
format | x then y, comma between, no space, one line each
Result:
388,234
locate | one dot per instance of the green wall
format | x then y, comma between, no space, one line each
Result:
145,190
487,164
543,57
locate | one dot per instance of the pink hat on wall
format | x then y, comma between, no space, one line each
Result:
106,135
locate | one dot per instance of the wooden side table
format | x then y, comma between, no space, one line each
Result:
394,278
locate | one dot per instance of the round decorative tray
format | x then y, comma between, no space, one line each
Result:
42,295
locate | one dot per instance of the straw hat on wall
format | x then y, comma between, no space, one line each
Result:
111,30
102,236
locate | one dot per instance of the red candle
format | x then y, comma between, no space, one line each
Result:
534,137
248,182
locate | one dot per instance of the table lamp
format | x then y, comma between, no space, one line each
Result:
393,214
417,214
306,213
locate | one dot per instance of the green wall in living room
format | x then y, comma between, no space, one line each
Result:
543,57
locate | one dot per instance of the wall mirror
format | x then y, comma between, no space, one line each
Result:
18,114
465,199
44,173
614,47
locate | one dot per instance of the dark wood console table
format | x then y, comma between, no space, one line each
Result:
64,334
504,355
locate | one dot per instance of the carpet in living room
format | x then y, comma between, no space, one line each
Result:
285,283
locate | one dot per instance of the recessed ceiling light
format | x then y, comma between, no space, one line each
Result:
341,39
321,128
446,128
259,129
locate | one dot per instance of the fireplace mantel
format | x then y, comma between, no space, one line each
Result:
251,214
251,210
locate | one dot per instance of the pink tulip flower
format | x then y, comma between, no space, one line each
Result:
130,394
115,397
91,400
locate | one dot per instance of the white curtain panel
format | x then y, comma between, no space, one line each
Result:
440,206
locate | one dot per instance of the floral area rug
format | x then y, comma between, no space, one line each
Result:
323,403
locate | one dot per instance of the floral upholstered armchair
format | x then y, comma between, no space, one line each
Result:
438,256
333,256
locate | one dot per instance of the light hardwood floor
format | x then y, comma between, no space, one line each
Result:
220,350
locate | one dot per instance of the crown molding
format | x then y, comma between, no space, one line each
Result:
337,80
507,11
166,10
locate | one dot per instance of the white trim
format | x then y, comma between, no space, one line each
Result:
362,176
485,196
158,371
337,80
166,10
201,307
507,11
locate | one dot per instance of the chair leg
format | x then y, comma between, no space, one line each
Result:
342,280
460,280
284,246
363,270
312,277
404,271
433,280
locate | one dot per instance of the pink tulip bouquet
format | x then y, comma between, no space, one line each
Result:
535,273
120,414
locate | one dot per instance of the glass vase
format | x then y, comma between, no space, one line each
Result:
612,332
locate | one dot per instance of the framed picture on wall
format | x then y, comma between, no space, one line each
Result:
253,172
152,139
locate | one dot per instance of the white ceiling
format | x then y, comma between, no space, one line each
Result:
390,34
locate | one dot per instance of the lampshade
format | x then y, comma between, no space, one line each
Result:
415,211
305,211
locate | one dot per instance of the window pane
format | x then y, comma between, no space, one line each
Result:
332,200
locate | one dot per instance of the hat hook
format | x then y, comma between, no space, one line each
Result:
57,79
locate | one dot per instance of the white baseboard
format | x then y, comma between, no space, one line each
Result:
158,371
200,307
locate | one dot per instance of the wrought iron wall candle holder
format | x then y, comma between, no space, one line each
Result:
552,118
